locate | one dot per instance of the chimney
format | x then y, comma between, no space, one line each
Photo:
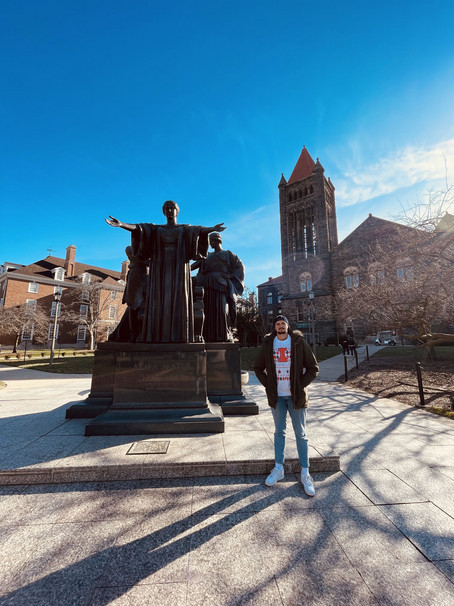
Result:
124,270
70,261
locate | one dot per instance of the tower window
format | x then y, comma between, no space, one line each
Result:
351,277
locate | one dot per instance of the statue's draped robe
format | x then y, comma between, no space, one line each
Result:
169,316
222,276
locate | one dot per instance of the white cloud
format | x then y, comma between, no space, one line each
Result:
403,169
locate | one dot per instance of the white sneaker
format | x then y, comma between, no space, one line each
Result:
275,475
308,484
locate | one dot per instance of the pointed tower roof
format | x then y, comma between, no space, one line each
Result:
303,167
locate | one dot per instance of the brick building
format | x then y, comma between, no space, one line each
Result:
315,266
36,285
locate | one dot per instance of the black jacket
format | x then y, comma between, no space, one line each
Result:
303,369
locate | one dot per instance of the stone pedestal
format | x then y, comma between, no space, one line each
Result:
224,380
143,389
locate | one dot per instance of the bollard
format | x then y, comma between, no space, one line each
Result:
421,392
346,368
356,359
367,353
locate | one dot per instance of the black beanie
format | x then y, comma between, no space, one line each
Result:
280,317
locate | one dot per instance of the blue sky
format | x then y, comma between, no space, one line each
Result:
113,107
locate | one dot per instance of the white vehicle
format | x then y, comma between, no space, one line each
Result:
386,337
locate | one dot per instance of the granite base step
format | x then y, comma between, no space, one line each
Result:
146,471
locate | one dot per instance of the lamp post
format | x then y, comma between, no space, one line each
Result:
57,299
314,346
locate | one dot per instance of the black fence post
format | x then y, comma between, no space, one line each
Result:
356,359
421,391
346,368
367,353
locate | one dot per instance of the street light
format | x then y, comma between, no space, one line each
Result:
314,346
57,299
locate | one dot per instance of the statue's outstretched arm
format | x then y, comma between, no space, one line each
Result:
208,230
116,223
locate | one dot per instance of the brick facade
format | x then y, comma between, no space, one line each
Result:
20,285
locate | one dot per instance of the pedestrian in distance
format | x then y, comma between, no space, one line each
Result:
285,366
344,346
352,346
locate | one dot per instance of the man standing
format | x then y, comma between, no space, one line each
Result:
285,366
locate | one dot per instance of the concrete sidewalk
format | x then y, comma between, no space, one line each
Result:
380,531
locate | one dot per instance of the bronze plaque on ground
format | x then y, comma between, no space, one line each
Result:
149,447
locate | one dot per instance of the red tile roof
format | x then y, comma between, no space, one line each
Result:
303,167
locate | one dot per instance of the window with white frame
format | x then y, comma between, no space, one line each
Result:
55,306
33,287
112,312
113,295
59,274
351,277
85,295
27,333
86,278
58,290
83,311
51,330
81,333
269,298
30,304
306,282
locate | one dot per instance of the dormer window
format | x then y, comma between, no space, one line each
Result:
59,274
86,278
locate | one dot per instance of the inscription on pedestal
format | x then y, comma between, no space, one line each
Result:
148,447
160,377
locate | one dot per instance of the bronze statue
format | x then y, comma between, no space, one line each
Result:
130,326
222,276
168,249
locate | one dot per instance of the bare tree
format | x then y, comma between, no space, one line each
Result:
414,291
89,307
26,322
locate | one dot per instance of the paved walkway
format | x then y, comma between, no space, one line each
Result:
380,531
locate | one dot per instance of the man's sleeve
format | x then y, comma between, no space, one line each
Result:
259,367
311,366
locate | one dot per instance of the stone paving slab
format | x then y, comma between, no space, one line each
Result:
426,526
210,538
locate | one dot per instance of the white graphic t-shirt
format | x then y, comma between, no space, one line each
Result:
282,355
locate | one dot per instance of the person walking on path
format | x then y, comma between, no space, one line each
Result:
285,366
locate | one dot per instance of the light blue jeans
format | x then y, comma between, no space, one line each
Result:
298,417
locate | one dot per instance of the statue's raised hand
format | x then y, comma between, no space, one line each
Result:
219,227
112,221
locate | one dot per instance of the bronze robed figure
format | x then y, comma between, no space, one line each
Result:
222,276
168,249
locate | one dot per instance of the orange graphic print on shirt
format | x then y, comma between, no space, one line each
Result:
282,358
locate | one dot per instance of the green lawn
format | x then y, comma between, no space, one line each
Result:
442,353
80,364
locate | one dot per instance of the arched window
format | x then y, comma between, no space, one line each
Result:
376,273
404,269
303,235
305,282
351,277
269,298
